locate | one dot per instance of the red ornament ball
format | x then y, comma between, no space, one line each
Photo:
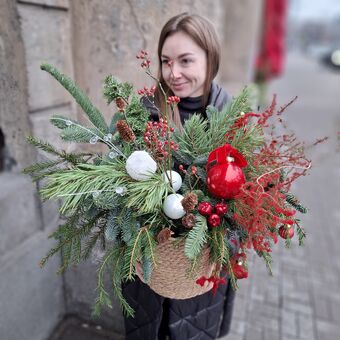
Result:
224,172
286,231
240,271
214,220
205,208
221,208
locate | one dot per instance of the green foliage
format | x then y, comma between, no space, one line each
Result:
267,259
301,234
114,89
81,98
137,116
117,116
69,237
193,141
196,238
294,202
74,185
147,196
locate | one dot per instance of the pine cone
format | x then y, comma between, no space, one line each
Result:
120,104
189,221
189,202
164,235
125,132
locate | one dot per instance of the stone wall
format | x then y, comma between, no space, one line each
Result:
86,40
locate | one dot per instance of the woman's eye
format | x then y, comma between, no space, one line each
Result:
186,61
165,61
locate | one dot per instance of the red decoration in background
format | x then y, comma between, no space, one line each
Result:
224,175
270,59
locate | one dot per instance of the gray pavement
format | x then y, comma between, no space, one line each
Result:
302,299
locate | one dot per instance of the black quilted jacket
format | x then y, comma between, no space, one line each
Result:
204,317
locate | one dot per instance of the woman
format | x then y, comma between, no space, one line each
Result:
189,57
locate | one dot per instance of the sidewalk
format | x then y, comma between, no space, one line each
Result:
302,300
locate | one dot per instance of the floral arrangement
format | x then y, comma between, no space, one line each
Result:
222,183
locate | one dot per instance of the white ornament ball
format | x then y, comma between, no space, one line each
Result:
175,177
172,206
140,166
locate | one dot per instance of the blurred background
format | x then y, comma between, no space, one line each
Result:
288,47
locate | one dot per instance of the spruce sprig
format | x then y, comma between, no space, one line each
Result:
81,98
196,238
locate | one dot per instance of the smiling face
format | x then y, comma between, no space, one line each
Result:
184,65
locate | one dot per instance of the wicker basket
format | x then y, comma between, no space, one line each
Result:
170,277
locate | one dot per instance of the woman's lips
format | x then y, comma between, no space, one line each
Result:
178,86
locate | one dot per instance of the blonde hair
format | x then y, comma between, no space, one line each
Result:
204,35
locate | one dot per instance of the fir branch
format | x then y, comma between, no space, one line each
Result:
78,134
294,202
44,146
61,122
90,243
38,167
113,89
81,98
301,233
193,141
103,297
69,242
196,238
267,259
112,228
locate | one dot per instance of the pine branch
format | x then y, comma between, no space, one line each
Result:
232,278
193,141
43,145
133,253
147,196
294,202
81,98
38,167
112,228
267,259
74,185
301,233
196,238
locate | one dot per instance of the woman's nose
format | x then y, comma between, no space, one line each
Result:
175,71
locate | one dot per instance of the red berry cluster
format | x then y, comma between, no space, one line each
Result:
215,280
193,169
157,137
173,100
147,92
260,207
214,214
146,61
